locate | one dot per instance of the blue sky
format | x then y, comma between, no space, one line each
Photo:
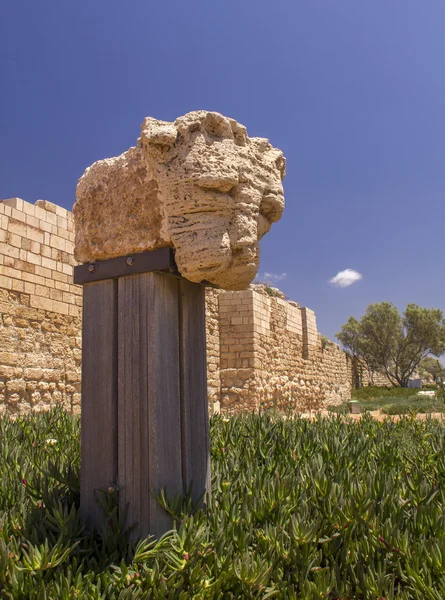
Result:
352,91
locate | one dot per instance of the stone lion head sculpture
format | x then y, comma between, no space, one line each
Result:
198,184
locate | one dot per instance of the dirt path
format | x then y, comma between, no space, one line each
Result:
375,414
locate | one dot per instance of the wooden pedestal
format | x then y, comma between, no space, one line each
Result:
144,395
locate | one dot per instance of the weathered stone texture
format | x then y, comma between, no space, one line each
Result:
40,308
213,351
237,352
262,350
272,356
199,185
374,378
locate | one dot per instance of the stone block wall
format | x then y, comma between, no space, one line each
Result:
237,349
40,308
272,356
262,351
366,378
310,332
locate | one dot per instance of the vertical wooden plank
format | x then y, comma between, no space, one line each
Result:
146,293
149,399
99,395
163,391
194,402
129,368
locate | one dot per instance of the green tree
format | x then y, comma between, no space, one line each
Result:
387,341
356,345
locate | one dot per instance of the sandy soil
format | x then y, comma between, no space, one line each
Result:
375,414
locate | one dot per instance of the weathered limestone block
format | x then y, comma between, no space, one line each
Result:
199,185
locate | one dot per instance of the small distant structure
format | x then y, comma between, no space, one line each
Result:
415,383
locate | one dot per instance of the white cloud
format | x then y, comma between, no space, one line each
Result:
274,277
346,278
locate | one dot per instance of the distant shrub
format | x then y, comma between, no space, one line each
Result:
397,409
366,393
341,409
404,408
430,387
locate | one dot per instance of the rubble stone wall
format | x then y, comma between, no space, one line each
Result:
213,348
40,308
379,379
263,351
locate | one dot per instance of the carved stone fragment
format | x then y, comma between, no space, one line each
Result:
199,185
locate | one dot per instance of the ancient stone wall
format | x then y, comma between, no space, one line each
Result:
262,350
273,357
40,308
213,349
365,378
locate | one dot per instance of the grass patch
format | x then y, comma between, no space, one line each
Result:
395,405
392,401
299,510
377,392
418,404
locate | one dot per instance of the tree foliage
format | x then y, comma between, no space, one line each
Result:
387,341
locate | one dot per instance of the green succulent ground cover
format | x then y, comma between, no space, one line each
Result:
300,509
392,401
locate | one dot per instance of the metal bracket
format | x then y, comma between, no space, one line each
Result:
162,259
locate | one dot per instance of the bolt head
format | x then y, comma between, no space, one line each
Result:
130,261
91,268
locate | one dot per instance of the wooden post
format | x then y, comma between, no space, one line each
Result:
99,422
193,379
144,394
